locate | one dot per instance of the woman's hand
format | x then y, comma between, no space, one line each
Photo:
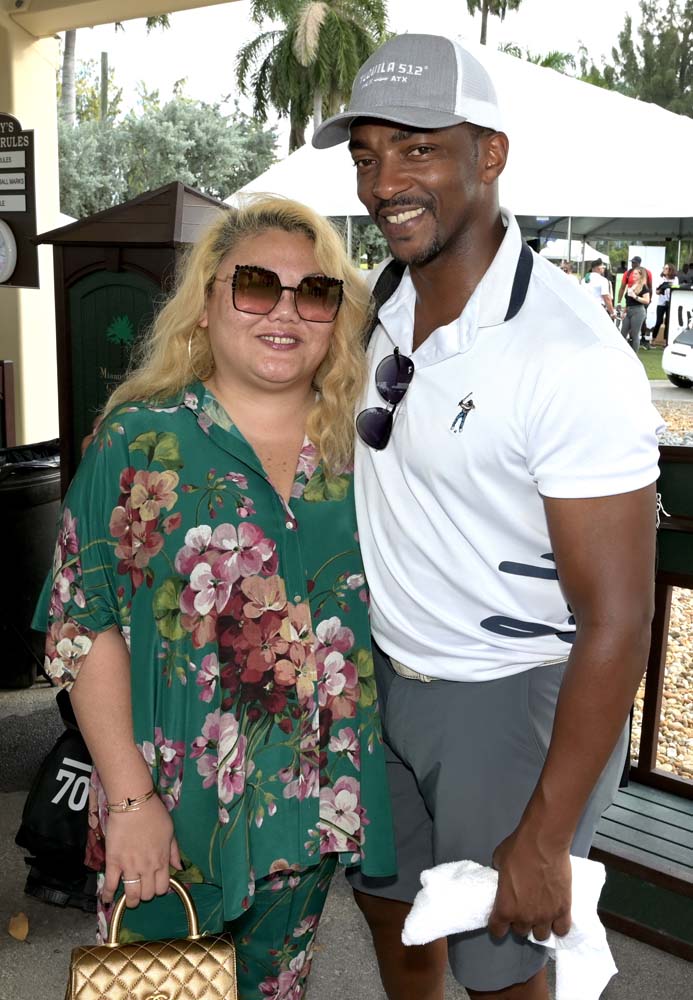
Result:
140,846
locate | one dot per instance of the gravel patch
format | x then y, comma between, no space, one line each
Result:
679,418
675,744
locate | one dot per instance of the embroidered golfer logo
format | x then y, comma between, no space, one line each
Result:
466,406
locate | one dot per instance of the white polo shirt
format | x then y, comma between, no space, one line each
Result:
451,521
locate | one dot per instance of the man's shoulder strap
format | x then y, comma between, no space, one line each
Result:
386,285
391,275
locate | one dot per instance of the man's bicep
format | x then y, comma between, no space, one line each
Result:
604,549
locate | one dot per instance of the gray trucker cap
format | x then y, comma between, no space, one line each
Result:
426,81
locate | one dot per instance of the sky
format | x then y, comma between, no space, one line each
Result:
201,44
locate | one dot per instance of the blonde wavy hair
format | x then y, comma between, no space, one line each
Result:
164,365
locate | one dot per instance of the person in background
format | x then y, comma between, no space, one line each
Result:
628,279
510,555
596,285
567,268
638,294
207,604
668,280
685,276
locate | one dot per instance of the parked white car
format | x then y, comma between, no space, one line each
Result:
677,360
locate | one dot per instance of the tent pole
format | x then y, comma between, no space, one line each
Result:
570,239
678,256
582,262
349,235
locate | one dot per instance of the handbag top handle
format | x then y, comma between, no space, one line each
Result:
183,895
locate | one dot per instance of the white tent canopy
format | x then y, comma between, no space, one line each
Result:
558,250
559,128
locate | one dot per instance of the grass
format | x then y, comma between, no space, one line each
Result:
652,362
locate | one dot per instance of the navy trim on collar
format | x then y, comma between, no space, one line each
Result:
523,273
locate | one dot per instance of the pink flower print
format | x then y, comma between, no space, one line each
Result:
207,769
196,543
340,814
308,925
152,491
212,591
263,642
204,422
121,521
67,644
68,543
307,460
355,580
232,764
332,678
331,632
346,744
126,479
238,479
209,736
248,549
172,523
145,544
288,984
208,676
171,754
170,795
305,784
265,594
148,752
190,401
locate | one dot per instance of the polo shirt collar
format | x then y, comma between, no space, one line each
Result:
487,307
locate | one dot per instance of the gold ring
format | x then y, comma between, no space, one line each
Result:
130,881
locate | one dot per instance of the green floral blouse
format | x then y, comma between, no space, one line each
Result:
253,694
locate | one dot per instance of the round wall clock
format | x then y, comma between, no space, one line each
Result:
8,252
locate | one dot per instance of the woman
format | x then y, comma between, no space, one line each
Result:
668,282
208,601
637,300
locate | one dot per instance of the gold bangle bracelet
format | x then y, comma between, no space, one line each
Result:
130,805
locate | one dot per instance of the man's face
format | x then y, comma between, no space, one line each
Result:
422,189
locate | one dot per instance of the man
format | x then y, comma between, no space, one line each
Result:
500,751
685,276
597,285
628,277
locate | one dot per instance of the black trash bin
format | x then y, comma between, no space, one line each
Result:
29,511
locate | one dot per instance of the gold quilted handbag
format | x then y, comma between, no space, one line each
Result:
193,968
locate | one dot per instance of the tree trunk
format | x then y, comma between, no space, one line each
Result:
104,86
317,109
484,21
297,135
68,94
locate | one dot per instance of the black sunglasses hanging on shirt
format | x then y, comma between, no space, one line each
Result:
392,379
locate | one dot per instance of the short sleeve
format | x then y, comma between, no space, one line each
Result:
594,432
82,595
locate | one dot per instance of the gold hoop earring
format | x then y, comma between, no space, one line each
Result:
200,378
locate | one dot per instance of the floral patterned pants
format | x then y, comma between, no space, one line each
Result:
274,939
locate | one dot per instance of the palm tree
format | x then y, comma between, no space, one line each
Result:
68,89
497,8
309,64
560,61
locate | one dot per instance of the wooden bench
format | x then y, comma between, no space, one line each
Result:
645,840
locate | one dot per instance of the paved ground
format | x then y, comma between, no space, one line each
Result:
663,389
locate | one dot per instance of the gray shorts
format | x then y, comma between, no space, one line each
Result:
463,761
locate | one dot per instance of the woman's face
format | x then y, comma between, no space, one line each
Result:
276,350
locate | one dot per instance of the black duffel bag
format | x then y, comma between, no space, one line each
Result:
55,821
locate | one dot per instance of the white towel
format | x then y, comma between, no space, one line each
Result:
459,896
